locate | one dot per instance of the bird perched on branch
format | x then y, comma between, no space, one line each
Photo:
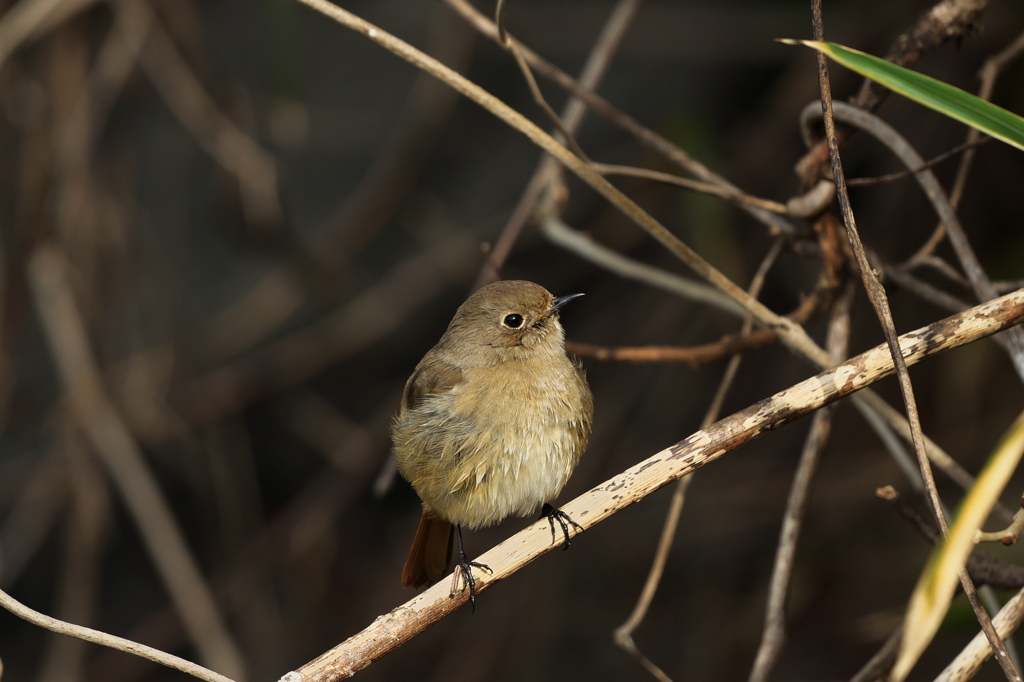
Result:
492,423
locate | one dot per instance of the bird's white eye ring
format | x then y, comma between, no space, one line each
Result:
513,321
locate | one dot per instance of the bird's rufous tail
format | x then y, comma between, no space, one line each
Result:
430,556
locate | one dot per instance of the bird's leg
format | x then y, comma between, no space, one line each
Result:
465,571
553,514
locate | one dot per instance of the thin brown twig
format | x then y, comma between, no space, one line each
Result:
112,442
566,137
103,639
879,414
813,202
876,294
886,134
946,21
731,370
692,355
989,572
970,659
393,629
290,534
774,633
559,233
943,267
878,666
650,139
85,540
599,59
623,634
989,73
571,119
902,274
792,334
748,339
927,165
703,187
1008,535
984,568
499,21
875,404
930,293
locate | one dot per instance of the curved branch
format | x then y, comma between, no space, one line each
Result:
393,629
115,446
103,639
791,333
902,149
652,140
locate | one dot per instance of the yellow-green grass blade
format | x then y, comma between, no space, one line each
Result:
934,592
944,98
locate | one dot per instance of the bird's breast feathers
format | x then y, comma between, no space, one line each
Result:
507,445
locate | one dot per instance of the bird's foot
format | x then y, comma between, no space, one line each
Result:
464,572
554,514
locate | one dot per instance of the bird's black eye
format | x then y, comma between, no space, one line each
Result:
513,321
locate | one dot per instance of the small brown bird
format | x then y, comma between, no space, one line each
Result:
493,421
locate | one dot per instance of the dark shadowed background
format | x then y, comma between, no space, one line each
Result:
264,221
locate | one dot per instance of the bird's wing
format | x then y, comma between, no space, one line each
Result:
432,377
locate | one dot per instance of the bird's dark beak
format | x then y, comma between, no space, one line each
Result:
562,300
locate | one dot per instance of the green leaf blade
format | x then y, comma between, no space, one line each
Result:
946,99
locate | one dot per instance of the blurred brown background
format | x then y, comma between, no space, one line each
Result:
263,221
